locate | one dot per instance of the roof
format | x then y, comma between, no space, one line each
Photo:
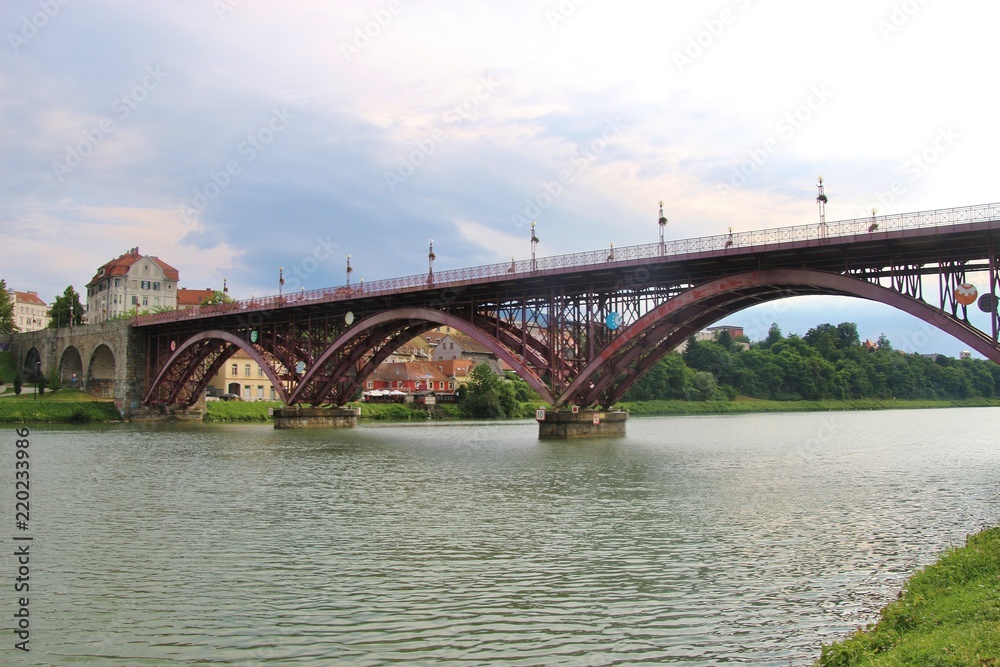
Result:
120,267
469,344
455,367
193,297
408,370
27,297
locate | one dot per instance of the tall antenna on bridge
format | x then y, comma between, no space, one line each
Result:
430,262
534,242
821,199
663,225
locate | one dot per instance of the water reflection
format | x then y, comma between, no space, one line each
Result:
692,541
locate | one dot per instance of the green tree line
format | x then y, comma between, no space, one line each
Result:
828,362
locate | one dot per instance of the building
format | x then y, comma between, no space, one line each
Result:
30,312
192,298
131,281
409,377
459,346
244,377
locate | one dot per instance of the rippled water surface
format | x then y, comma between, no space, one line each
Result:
691,541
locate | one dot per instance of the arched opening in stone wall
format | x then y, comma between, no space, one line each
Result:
32,365
71,368
101,375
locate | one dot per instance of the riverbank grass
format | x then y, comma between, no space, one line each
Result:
746,405
63,406
948,614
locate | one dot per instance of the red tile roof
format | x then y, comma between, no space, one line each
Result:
121,265
192,297
408,370
27,297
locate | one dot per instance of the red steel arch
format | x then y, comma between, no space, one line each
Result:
400,323
616,367
194,362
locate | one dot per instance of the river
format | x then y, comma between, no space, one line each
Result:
691,541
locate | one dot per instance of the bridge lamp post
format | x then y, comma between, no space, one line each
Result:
430,262
349,269
38,374
611,253
225,288
534,243
822,199
663,225
281,279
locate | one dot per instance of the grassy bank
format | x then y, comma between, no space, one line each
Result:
948,614
238,411
755,405
63,406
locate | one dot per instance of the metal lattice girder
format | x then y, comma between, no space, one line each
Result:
551,324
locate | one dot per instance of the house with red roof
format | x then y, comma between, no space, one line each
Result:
131,281
30,312
192,298
409,377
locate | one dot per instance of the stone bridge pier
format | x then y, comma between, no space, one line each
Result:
106,360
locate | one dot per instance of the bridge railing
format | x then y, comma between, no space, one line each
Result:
731,242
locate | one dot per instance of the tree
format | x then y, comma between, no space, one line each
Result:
773,336
6,310
18,383
41,383
217,297
483,397
64,308
725,339
883,343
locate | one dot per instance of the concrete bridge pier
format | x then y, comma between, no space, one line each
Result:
568,423
315,417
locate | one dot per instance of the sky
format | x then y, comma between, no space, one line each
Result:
233,137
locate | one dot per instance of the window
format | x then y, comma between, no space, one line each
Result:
440,385
246,392
118,283
451,385
144,284
246,370
260,371
370,385
145,300
399,384
156,301
135,300
272,394
156,286
236,370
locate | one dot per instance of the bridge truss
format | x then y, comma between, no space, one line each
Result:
581,329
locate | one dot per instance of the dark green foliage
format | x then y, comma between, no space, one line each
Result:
483,399
6,310
18,383
41,383
828,363
64,307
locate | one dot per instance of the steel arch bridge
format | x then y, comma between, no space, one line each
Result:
582,328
